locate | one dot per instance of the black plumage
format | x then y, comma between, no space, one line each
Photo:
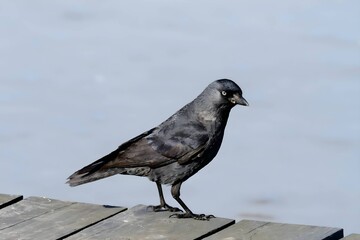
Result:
176,149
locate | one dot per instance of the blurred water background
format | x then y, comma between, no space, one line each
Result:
78,78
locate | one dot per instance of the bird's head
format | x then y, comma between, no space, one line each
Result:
225,92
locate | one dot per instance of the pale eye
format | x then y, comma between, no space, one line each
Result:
224,93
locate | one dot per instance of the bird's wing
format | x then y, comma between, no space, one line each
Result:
161,146
184,142
157,147
138,154
134,153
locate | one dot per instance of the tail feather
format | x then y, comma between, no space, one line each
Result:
101,169
94,171
78,179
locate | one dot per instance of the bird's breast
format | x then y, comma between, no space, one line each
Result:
206,117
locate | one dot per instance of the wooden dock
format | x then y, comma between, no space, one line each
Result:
43,218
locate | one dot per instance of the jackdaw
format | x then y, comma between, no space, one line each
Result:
176,149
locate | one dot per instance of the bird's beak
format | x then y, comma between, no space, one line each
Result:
237,99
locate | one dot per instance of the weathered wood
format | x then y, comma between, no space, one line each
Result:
42,218
6,200
257,230
141,223
27,209
352,237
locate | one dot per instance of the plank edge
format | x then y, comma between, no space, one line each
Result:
232,222
11,202
339,234
91,224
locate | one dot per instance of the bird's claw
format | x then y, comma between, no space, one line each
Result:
202,217
160,208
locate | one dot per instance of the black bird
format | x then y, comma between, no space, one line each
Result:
176,149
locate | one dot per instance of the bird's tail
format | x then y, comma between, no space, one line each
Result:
94,171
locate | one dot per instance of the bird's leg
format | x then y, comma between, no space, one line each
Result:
163,205
175,191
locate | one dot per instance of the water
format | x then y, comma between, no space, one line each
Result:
79,78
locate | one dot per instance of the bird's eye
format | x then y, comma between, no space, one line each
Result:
223,93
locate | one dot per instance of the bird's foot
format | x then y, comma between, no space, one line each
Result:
161,208
192,215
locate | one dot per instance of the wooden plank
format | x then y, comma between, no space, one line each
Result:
140,223
6,200
352,237
27,209
257,230
57,222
